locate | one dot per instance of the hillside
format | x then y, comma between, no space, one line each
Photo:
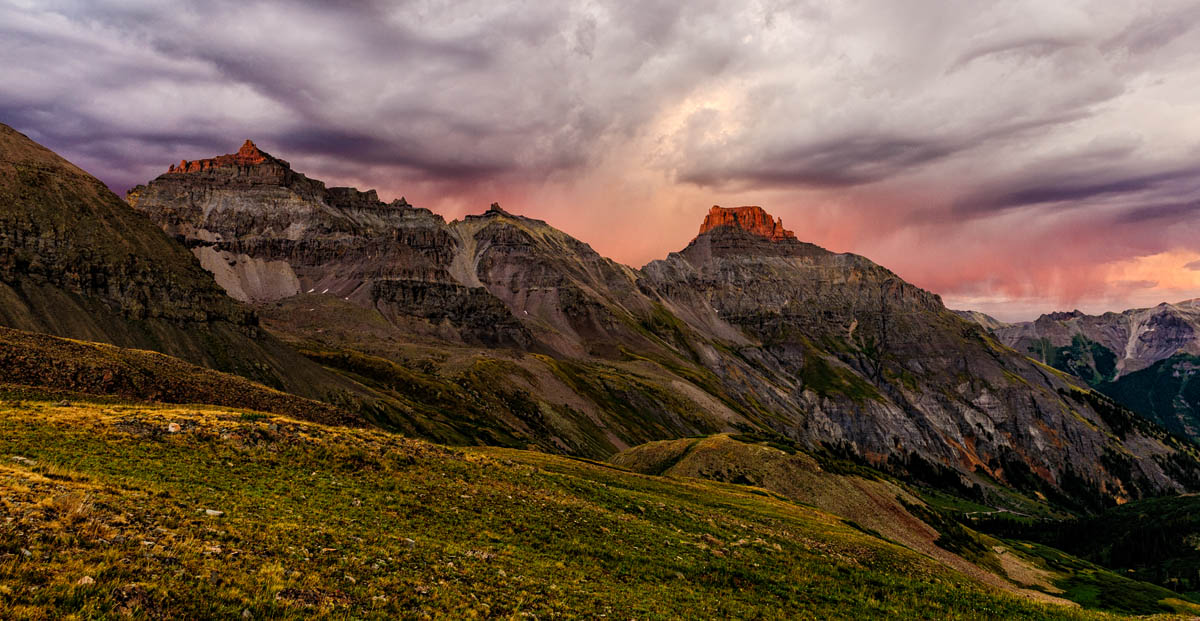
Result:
917,518
46,364
876,504
1165,392
108,512
1152,540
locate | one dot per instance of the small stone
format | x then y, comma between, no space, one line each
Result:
86,580
26,553
173,428
408,542
246,614
64,404
213,513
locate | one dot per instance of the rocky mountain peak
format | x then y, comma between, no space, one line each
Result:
1064,315
750,218
248,155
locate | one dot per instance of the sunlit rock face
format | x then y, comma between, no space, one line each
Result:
248,155
751,218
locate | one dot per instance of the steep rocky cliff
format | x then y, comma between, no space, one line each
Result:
76,261
495,328
501,329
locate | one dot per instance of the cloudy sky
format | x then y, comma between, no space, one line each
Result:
1015,157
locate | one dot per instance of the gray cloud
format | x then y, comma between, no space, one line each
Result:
806,94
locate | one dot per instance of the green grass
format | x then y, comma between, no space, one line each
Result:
1093,586
823,378
330,522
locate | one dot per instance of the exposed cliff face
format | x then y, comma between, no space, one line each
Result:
746,328
752,218
76,261
468,324
268,233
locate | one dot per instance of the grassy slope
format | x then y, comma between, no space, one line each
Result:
59,364
467,395
317,520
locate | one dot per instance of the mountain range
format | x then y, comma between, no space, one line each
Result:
210,375
537,340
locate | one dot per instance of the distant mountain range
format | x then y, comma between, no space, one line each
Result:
1145,358
501,329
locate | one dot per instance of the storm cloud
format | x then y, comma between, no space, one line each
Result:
1037,154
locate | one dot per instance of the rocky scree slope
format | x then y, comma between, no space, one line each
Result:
541,340
495,329
884,368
